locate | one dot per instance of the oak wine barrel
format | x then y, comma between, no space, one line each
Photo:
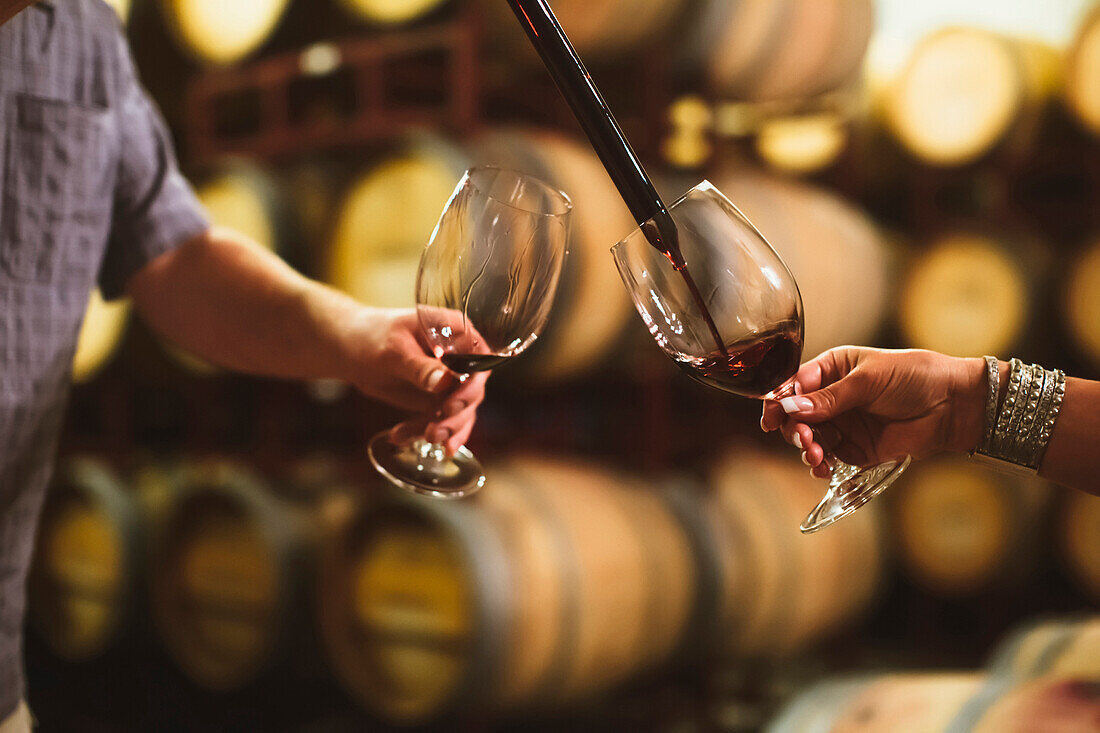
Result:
1068,648
802,144
101,333
244,197
231,567
777,590
687,143
1034,657
385,219
840,261
557,581
1045,704
222,33
1083,73
762,50
962,529
592,308
965,91
1081,302
1044,676
901,702
390,13
1079,537
84,589
968,293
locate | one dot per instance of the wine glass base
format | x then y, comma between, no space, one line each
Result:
850,487
424,468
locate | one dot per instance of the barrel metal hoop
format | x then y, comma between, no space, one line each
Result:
489,571
969,715
554,678
682,497
976,707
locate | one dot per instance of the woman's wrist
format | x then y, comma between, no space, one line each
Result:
969,398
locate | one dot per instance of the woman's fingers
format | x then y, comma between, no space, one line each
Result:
821,371
772,416
797,434
813,454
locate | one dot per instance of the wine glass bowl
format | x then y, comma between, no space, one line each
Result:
484,289
746,289
727,310
487,278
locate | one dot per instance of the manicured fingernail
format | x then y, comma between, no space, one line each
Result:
805,459
795,404
434,379
454,407
797,441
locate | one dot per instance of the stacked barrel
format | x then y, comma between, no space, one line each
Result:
231,570
85,594
562,579
1045,676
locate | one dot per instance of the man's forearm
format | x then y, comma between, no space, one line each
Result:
241,307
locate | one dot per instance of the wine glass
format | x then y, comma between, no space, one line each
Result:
739,329
484,290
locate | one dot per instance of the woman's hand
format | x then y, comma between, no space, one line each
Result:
391,362
871,405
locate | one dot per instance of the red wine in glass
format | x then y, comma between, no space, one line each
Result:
752,367
469,363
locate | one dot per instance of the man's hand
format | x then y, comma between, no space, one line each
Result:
230,302
391,363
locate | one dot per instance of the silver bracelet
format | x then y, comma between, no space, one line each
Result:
1050,417
993,379
1043,408
1023,424
1019,379
1020,447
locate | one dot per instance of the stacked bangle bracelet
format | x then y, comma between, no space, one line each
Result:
1017,431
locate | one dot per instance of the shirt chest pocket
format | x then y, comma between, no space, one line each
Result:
56,189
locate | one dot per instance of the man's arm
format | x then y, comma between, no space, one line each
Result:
237,305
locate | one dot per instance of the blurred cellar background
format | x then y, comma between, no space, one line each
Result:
217,553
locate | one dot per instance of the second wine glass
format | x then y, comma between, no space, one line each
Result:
732,319
484,290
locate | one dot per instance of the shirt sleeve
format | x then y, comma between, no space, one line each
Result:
154,207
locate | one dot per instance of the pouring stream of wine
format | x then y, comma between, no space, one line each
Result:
607,138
